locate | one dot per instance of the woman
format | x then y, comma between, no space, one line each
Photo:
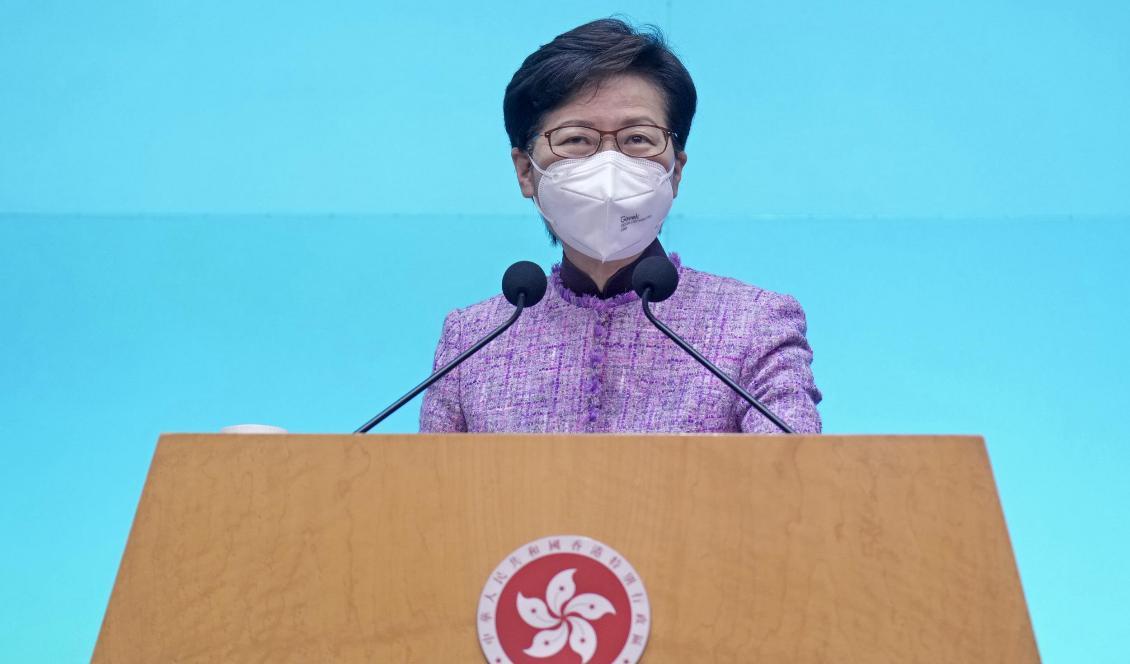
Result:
598,121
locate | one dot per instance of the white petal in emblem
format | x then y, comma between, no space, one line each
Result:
534,613
549,642
582,639
590,606
560,590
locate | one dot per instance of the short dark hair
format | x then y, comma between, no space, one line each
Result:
586,56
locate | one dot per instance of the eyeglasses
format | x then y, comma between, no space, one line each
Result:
635,141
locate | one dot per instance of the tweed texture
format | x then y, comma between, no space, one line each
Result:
576,363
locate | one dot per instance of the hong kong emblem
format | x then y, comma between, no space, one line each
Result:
563,599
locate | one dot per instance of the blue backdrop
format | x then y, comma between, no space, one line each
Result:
212,214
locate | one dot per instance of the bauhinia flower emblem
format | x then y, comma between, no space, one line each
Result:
563,618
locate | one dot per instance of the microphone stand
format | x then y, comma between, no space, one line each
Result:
706,363
446,368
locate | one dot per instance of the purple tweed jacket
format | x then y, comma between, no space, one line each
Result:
576,363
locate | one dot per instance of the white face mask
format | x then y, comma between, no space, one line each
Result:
608,206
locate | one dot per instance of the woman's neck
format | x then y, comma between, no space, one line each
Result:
599,272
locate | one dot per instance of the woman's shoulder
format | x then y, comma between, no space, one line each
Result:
703,297
480,313
696,286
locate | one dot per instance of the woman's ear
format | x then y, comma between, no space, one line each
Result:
677,174
524,169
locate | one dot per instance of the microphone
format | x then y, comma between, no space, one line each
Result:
523,285
654,280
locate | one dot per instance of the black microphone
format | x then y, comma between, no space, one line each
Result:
654,280
523,285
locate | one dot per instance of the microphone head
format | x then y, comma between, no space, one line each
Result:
524,277
658,274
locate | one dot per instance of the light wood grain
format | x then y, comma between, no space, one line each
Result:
753,549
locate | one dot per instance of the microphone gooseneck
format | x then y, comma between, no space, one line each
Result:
654,280
523,285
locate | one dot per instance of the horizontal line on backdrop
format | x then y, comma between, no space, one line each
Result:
95,216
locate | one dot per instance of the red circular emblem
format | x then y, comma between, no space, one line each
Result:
563,600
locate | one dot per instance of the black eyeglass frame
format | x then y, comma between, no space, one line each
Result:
667,134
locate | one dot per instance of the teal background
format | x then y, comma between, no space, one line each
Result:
214,213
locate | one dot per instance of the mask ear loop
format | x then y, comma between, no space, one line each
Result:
535,164
670,171
534,198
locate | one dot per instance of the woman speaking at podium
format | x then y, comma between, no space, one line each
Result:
598,121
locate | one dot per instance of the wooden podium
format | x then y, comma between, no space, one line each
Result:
777,549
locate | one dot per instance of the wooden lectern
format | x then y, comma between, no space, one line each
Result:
777,549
